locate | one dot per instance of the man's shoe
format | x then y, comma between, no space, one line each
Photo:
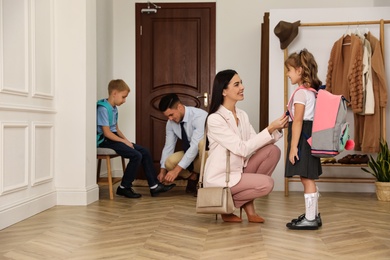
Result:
161,188
191,186
303,224
128,193
318,218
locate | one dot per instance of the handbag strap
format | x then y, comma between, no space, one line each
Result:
200,184
227,167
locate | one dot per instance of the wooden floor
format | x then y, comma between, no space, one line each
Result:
355,226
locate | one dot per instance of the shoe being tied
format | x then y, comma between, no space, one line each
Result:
318,218
161,188
303,224
191,186
128,193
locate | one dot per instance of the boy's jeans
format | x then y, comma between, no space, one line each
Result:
137,156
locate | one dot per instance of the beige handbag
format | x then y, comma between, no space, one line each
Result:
214,200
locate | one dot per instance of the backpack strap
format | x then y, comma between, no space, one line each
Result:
289,105
108,106
103,103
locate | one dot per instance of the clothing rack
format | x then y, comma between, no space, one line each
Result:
383,111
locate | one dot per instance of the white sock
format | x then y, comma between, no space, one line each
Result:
318,196
311,201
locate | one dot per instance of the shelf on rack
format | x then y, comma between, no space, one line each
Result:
343,165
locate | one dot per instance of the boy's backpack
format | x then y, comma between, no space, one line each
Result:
100,137
330,130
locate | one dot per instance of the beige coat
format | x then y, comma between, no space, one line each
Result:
368,127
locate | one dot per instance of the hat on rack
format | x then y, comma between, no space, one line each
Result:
286,32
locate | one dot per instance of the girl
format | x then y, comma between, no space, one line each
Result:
302,70
253,156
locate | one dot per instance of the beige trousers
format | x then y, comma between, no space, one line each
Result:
176,157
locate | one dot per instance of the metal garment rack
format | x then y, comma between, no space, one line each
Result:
383,111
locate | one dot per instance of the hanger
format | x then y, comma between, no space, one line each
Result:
347,32
358,32
366,31
347,37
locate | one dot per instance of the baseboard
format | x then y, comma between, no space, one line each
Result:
26,209
79,197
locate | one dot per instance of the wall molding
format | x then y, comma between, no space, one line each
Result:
35,181
14,23
39,11
32,109
22,182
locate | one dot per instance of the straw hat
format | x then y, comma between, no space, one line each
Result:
286,32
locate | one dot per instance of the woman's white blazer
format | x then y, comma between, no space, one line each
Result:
223,133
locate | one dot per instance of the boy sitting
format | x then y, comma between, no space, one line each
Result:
112,137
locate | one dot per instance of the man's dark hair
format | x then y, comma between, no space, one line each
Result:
168,101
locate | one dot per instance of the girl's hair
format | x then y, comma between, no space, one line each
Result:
221,81
306,61
118,85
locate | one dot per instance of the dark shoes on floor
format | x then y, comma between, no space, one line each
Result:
318,218
192,186
161,188
302,223
128,193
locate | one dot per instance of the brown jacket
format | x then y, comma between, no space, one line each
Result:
345,70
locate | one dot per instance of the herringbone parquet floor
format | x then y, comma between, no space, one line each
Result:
355,226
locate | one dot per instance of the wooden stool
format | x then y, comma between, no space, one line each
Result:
107,154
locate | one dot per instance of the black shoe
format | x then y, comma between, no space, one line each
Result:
161,188
303,224
128,193
192,186
318,218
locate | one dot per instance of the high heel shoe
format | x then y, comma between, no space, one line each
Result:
230,218
253,218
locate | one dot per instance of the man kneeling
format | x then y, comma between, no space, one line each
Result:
186,123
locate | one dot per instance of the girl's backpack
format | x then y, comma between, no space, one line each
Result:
330,130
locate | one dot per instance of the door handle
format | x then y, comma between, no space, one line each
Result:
205,100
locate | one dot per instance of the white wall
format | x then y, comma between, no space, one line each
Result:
27,109
75,153
105,41
47,106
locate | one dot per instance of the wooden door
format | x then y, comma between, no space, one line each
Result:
175,53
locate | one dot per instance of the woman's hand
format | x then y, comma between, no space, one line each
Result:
278,124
